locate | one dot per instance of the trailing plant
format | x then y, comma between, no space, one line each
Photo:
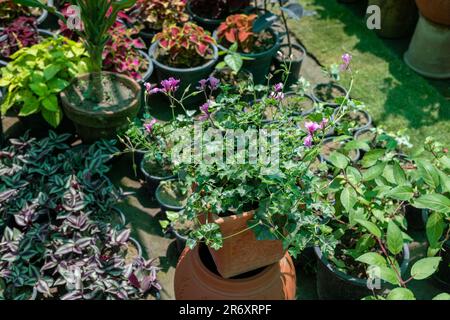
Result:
58,234
156,14
184,47
22,32
36,75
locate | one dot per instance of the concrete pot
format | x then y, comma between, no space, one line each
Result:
195,279
428,52
398,17
437,11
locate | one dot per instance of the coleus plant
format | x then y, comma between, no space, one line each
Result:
156,14
184,47
22,32
36,75
9,11
58,237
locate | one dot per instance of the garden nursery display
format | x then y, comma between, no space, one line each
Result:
208,150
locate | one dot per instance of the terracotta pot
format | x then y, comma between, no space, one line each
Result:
436,10
195,279
242,252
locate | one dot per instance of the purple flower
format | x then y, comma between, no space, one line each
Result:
202,84
346,58
308,141
149,126
148,86
312,127
170,85
323,123
204,108
213,83
278,87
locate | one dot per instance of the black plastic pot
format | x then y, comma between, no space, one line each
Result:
163,205
205,23
295,65
416,218
188,76
151,181
442,275
367,126
334,85
333,284
260,63
353,159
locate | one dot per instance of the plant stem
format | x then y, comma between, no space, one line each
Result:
286,28
399,277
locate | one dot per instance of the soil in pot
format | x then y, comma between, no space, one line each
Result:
354,121
172,195
328,92
102,120
154,173
230,78
298,105
329,146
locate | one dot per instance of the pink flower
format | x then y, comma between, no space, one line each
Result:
213,83
148,86
323,123
149,126
204,108
346,58
202,84
278,87
170,85
308,141
312,127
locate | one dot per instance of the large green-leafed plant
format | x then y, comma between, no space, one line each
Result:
38,74
95,19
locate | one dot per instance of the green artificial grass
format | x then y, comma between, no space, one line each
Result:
395,96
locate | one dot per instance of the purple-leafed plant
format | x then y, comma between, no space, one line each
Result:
58,235
22,32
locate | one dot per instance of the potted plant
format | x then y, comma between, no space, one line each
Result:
368,254
151,15
172,195
258,48
327,93
10,10
66,233
179,226
34,80
186,53
355,120
99,102
209,15
432,178
22,32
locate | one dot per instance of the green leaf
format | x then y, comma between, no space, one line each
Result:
399,174
30,105
338,160
425,267
51,103
401,294
353,175
348,198
428,172
435,228
56,85
39,88
234,61
50,71
370,226
385,273
444,181
374,172
434,202
394,238
442,296
372,258
371,157
403,193
53,118
356,144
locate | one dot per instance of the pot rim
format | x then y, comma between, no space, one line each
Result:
270,51
368,125
129,82
166,205
155,177
136,244
357,281
211,62
297,46
150,68
307,96
321,84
